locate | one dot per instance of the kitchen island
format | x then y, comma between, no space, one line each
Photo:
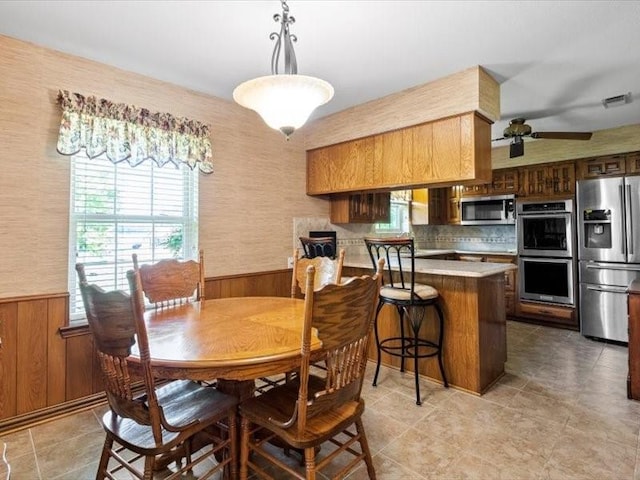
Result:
472,298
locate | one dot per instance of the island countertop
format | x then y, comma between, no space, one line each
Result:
454,268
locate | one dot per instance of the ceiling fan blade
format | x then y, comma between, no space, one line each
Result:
562,135
498,139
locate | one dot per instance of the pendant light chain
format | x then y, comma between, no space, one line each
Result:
284,40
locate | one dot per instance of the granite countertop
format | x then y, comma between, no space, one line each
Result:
452,268
430,252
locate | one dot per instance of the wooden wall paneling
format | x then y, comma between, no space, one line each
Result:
446,148
8,359
56,350
275,283
422,152
32,358
79,361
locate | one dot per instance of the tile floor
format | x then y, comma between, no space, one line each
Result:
560,412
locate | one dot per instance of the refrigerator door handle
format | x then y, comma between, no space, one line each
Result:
624,233
597,266
629,213
604,289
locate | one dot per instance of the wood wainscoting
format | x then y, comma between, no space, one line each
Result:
48,368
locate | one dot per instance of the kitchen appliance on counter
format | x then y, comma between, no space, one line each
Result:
608,253
546,251
493,210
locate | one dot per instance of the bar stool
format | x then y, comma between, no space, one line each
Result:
411,300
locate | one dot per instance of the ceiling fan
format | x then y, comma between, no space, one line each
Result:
517,129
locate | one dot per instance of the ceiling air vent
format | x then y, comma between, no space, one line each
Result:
617,100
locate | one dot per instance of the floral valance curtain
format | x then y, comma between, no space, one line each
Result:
127,132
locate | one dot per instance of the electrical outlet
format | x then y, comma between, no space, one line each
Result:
290,262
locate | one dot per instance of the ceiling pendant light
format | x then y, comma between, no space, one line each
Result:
284,100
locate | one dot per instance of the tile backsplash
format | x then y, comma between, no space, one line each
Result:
489,238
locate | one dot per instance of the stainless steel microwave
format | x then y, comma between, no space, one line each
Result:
494,210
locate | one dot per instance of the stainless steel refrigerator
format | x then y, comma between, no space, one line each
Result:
608,253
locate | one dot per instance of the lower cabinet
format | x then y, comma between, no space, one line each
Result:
510,276
555,315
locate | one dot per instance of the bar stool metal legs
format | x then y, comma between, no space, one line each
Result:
411,346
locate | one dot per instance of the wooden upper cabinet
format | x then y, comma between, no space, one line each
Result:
453,207
439,153
393,156
447,148
610,165
633,163
318,173
471,190
549,180
360,208
429,206
347,166
422,148
505,181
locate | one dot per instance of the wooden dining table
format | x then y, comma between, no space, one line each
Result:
233,340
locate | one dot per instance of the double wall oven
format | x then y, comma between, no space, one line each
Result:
546,262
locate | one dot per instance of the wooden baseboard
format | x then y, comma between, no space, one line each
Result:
37,417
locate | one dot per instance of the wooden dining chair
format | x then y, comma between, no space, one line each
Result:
318,246
312,410
171,422
327,270
171,281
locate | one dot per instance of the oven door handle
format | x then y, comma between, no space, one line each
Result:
607,289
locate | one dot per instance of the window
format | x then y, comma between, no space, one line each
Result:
398,214
117,210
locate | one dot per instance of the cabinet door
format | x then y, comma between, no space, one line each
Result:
352,164
360,208
453,207
562,179
318,171
428,206
633,163
422,146
393,157
447,149
505,181
596,167
536,181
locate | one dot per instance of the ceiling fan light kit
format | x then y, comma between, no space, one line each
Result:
284,101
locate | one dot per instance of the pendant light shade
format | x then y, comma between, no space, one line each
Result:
284,101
